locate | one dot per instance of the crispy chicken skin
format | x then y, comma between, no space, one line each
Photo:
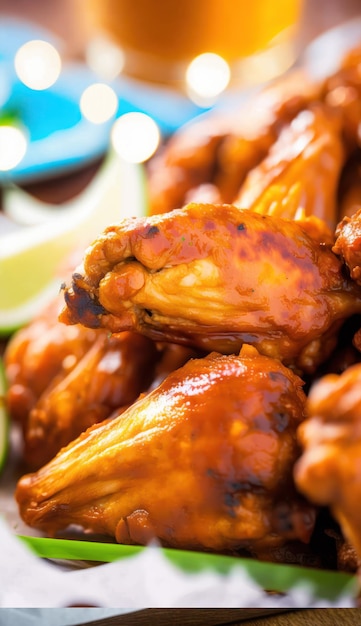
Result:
328,472
215,277
204,461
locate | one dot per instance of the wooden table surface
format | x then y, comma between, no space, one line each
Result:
234,617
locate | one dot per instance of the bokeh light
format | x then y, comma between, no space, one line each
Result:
135,137
207,76
38,64
99,103
104,57
267,64
13,145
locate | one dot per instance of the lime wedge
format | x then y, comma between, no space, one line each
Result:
4,419
33,257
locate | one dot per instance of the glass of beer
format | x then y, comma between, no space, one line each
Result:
159,40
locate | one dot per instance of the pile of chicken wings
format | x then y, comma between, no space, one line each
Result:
198,380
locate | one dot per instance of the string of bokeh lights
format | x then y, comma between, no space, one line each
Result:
134,136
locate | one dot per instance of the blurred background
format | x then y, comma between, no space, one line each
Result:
63,62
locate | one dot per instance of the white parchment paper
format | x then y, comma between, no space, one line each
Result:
147,580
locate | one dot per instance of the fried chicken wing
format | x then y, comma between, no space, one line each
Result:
296,129
220,149
110,376
328,472
63,379
342,91
202,462
40,353
348,244
215,277
309,154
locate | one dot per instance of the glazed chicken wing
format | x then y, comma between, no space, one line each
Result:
348,244
63,379
308,155
215,277
342,91
329,471
202,462
109,376
219,150
275,135
39,354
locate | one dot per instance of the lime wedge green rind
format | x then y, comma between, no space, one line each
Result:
274,577
35,257
11,321
4,419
